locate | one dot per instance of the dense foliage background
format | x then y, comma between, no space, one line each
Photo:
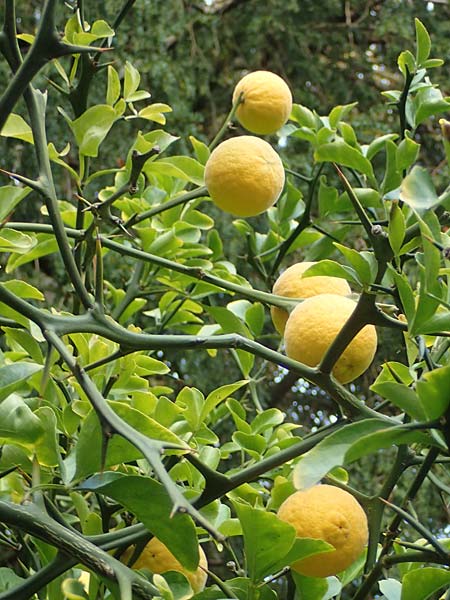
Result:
189,56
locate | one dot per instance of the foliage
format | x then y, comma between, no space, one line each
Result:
103,441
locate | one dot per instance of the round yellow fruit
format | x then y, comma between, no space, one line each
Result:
157,558
327,513
291,285
314,324
244,176
266,102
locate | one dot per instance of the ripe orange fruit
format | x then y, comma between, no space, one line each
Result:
314,324
266,102
157,558
244,176
291,285
327,513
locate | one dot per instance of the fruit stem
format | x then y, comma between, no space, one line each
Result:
219,135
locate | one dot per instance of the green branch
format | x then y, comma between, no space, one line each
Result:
303,223
176,201
359,318
35,522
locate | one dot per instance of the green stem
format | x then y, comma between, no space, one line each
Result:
219,135
182,199
131,293
402,102
303,223
36,106
423,531
426,556
376,507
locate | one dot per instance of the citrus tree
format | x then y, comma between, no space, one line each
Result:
119,479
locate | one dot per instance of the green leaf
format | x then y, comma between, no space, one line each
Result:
44,244
428,102
340,112
16,241
392,177
420,584
396,228
17,127
348,444
432,63
378,144
316,588
406,63
73,589
417,190
181,167
328,198
423,42
407,153
267,419
432,390
101,29
113,89
47,447
367,197
154,112
332,269
268,542
150,502
18,424
254,445
8,579
91,128
132,79
304,117
217,396
88,449
402,396
13,376
23,339
406,293
10,196
343,154
23,289
243,588
201,150
358,262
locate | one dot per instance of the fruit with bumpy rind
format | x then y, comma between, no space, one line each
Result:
313,326
157,558
331,514
244,176
266,102
291,284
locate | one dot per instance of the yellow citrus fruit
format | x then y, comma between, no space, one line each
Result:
291,285
157,558
327,513
244,176
266,102
314,324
